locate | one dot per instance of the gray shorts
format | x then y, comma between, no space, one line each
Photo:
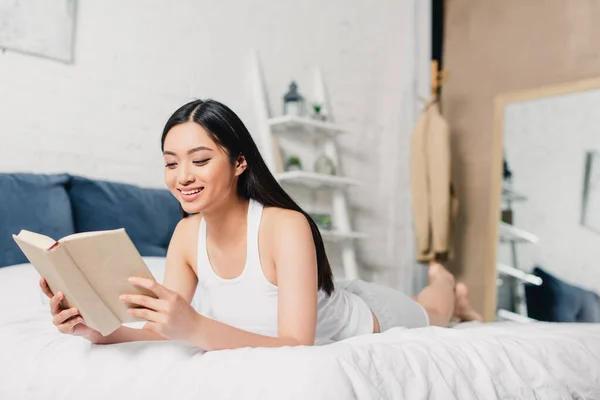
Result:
391,307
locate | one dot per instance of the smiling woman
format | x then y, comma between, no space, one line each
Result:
188,194
207,149
254,257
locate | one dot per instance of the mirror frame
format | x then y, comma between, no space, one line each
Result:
500,103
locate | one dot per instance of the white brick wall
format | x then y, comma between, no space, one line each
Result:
137,61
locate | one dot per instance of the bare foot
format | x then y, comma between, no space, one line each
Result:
438,297
462,308
437,272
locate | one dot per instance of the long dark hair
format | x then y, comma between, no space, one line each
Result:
256,182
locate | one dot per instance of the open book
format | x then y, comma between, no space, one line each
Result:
91,269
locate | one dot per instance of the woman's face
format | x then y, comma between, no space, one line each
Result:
198,171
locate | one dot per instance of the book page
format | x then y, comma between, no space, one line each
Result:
80,235
107,260
63,275
36,239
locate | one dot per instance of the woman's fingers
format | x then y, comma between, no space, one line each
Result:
146,314
159,290
64,320
68,327
46,288
64,315
144,301
55,303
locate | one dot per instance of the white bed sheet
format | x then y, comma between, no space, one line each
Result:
476,361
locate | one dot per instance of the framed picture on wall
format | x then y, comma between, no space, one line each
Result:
590,208
38,27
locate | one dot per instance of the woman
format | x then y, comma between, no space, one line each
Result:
256,259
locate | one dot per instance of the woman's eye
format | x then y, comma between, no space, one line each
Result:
201,162
170,165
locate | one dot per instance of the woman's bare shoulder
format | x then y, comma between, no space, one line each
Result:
188,225
278,221
279,214
287,235
180,271
185,236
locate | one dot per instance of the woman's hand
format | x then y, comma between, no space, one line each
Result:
68,321
169,315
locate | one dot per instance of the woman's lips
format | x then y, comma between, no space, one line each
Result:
190,195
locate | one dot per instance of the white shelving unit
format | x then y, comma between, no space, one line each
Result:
510,233
290,124
315,180
518,274
510,195
324,135
337,236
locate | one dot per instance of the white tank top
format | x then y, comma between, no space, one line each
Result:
249,301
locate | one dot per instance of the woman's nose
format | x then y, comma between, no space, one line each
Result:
185,177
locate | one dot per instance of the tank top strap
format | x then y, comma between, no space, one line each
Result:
255,210
203,264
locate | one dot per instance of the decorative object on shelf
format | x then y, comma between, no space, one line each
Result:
324,165
323,221
293,102
317,112
293,164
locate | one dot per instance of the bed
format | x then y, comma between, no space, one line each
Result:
471,361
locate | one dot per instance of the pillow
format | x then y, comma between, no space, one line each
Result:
35,202
557,301
149,216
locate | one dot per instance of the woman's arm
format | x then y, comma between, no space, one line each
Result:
125,334
296,269
296,274
179,277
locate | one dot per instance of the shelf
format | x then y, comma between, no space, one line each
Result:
290,124
337,236
315,180
512,196
511,316
509,233
518,274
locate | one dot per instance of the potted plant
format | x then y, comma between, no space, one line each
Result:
317,109
293,164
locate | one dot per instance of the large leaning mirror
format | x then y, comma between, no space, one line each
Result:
546,202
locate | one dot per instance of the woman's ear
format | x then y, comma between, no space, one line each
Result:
240,164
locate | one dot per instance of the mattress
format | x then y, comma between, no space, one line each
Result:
471,361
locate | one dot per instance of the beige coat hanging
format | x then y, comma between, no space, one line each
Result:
433,197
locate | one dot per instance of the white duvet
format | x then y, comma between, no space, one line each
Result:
476,361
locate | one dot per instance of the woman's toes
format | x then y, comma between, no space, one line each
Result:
462,291
463,309
437,271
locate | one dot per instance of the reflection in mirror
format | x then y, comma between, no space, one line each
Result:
549,232
590,205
